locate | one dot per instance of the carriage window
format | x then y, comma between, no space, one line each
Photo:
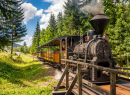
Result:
71,41
63,45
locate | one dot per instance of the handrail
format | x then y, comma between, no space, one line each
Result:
98,67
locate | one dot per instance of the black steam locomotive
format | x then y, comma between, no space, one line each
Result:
92,48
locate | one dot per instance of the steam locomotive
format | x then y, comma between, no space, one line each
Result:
92,48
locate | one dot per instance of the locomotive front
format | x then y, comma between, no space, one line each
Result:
95,49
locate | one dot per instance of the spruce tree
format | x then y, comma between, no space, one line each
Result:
52,25
118,30
121,37
36,39
42,38
24,44
59,24
72,19
6,11
17,30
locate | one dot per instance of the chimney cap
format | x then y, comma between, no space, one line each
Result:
100,16
99,23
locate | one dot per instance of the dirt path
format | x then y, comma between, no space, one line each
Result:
52,72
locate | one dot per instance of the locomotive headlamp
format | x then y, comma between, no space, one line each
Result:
106,37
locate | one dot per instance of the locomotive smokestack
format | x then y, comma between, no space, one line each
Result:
99,23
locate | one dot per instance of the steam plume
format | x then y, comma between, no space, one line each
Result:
58,74
94,7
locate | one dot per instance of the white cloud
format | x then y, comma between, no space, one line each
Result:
44,26
30,12
55,8
27,39
45,18
39,12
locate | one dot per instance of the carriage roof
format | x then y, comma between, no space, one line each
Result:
54,42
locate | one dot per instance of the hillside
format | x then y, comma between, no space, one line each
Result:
17,45
20,76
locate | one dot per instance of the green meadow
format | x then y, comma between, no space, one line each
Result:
20,76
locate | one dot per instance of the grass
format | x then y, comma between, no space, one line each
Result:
20,75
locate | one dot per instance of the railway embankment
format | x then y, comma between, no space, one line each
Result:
23,76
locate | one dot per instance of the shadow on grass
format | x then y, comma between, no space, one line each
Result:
19,60
35,61
15,74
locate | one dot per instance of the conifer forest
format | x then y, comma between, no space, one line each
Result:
71,21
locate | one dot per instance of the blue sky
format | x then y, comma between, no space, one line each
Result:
39,10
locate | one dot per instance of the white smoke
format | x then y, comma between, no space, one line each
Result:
58,74
94,7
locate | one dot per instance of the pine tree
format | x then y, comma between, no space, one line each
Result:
42,38
48,35
24,48
6,11
73,19
122,31
17,30
37,34
36,39
52,25
24,44
59,24
119,32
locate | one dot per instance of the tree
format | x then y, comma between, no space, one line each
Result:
74,19
35,40
12,29
24,48
17,30
52,25
42,38
24,44
48,35
6,10
122,31
59,24
21,49
118,30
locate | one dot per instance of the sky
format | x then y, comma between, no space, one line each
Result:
39,10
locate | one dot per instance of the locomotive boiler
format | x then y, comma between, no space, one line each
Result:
95,49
